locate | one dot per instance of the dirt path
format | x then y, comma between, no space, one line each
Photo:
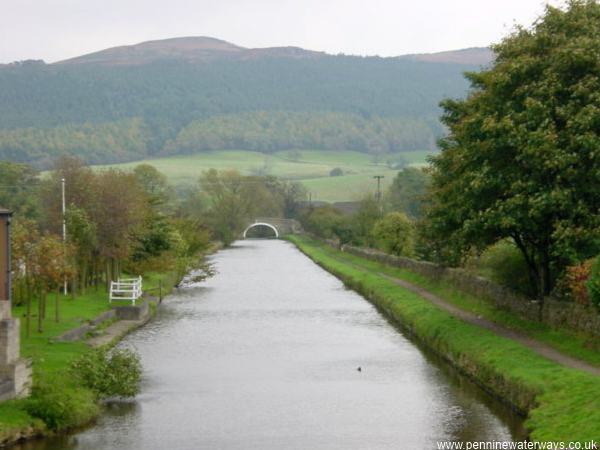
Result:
540,348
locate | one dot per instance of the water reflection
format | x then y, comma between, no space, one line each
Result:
264,356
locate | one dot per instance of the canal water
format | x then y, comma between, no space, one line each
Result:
264,355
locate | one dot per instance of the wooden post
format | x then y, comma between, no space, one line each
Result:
160,298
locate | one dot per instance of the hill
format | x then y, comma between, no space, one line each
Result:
190,49
187,95
481,56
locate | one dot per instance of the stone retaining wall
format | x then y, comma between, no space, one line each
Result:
133,312
555,313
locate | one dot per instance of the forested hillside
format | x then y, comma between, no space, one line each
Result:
266,101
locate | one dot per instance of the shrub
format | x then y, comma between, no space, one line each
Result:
324,221
336,172
60,406
504,264
573,283
593,283
109,373
395,234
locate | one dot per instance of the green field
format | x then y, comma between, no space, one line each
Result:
311,167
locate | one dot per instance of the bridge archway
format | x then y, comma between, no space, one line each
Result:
264,224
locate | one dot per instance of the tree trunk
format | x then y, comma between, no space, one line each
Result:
547,282
28,314
108,275
532,266
43,303
40,312
57,306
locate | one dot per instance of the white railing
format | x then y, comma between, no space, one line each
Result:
129,289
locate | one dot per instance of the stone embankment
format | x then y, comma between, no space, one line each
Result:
121,320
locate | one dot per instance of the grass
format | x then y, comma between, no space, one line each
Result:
311,167
47,355
51,359
573,344
561,402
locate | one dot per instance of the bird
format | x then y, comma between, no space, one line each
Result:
359,369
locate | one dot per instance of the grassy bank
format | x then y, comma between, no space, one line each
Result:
579,346
561,403
68,405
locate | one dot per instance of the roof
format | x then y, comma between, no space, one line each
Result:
4,211
347,208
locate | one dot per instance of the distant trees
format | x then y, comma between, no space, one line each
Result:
328,222
264,131
521,161
233,199
408,191
95,143
17,183
271,131
114,113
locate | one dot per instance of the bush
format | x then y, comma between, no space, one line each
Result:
109,373
593,283
336,172
395,234
504,264
573,284
324,221
61,407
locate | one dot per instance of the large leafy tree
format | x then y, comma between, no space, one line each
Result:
522,159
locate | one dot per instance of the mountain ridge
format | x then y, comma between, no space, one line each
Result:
196,49
190,48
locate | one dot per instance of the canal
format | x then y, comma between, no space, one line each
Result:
264,355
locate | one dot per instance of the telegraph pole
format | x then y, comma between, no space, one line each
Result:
64,232
378,196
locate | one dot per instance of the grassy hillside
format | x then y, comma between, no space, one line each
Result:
311,167
191,95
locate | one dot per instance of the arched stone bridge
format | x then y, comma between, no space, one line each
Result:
280,226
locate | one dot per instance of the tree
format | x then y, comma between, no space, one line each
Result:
24,235
119,213
286,194
52,268
364,219
233,201
328,222
17,188
407,191
523,154
79,192
81,234
154,185
395,234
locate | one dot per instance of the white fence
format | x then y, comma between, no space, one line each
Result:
129,289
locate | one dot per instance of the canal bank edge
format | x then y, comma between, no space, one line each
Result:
16,425
560,403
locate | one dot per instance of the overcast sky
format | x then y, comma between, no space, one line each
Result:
57,29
